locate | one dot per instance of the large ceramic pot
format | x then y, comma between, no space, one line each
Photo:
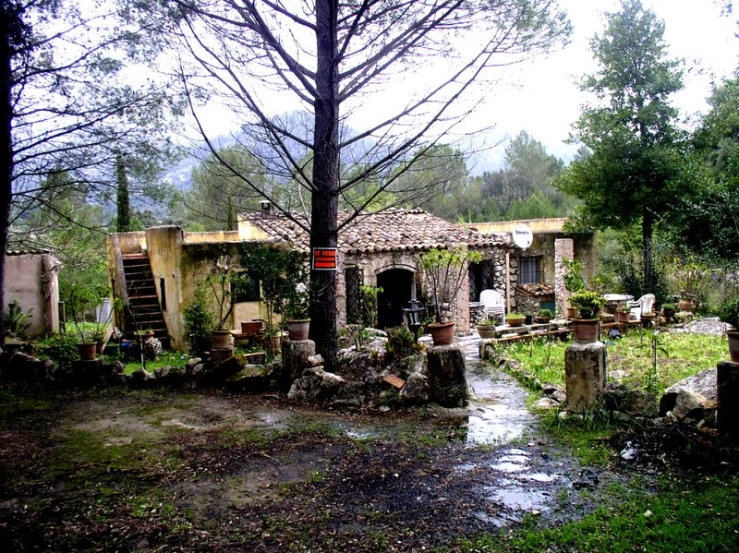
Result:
298,329
486,332
733,345
87,351
221,339
585,331
686,305
571,312
441,333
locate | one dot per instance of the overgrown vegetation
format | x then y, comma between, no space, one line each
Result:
682,355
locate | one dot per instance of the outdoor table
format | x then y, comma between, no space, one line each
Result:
615,300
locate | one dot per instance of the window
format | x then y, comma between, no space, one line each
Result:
529,270
353,279
245,288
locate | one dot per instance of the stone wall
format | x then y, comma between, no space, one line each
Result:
31,279
563,249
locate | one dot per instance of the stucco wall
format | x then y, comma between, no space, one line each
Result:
32,280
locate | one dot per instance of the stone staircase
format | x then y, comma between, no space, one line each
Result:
144,311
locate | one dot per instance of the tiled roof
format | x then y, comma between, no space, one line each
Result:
536,289
391,230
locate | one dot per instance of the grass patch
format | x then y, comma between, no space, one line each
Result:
684,516
171,359
687,354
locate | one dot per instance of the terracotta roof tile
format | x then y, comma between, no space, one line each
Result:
385,231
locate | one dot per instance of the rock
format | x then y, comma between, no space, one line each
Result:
192,363
416,389
703,383
447,379
198,370
316,385
626,400
22,367
448,414
142,378
219,373
218,356
251,378
346,403
315,360
545,403
295,358
161,373
690,405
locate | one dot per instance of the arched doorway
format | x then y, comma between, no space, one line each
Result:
397,286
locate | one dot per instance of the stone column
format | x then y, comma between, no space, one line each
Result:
564,248
585,375
447,379
727,394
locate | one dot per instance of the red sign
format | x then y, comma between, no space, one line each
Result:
325,259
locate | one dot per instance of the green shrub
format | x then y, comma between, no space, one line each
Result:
401,343
729,312
62,349
199,321
16,320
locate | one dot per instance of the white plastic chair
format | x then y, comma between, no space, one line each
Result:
493,304
643,305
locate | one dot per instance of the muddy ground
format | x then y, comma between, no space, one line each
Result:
173,471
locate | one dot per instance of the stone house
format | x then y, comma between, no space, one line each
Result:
378,249
381,249
31,279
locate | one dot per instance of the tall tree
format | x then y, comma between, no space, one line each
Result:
633,172
528,170
328,57
64,103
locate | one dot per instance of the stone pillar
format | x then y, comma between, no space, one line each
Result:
295,356
564,248
727,395
447,379
585,375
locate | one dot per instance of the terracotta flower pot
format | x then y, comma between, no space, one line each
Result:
515,321
221,339
686,305
298,329
733,345
571,312
585,331
623,316
441,333
486,331
251,327
87,351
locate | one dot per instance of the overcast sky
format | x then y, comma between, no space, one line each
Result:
541,96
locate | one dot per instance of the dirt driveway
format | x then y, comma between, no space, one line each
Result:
170,471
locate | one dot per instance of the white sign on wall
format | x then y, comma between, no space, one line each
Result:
522,236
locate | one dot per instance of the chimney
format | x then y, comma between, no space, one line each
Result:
266,207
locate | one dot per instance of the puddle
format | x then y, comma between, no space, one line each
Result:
520,499
499,415
540,477
509,467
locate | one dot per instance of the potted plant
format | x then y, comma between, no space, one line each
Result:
445,272
668,311
81,299
220,281
574,282
297,313
729,313
687,302
544,315
486,328
515,319
623,312
586,325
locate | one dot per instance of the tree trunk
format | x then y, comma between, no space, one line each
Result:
6,153
647,230
124,198
325,197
